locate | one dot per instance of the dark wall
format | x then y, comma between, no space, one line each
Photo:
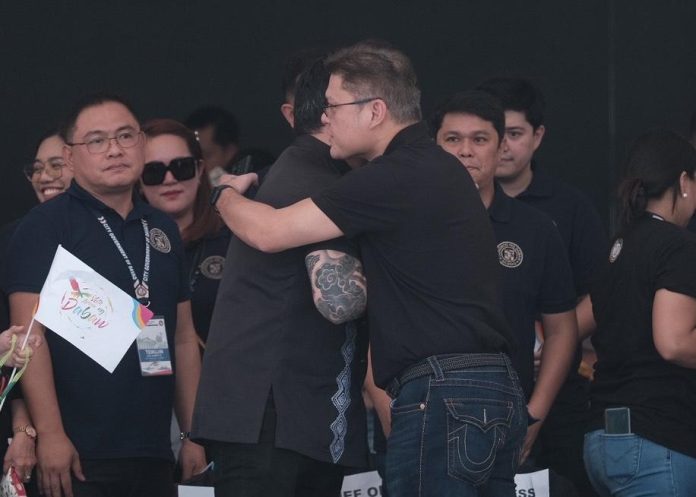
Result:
170,57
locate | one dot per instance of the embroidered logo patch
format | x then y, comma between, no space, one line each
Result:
510,254
212,267
159,241
615,250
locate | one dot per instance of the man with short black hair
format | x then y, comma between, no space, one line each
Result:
561,438
218,134
537,279
101,433
279,402
437,334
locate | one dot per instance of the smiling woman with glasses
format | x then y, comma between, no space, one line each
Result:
172,181
47,173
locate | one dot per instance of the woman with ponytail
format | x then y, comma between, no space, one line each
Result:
642,438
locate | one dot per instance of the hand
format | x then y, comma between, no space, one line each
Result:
57,457
21,454
20,356
240,183
529,439
191,459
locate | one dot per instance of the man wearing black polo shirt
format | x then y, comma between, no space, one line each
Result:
561,438
437,332
102,434
280,402
537,279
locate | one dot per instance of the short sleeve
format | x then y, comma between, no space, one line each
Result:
365,200
676,269
557,290
30,253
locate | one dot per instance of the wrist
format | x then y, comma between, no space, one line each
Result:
216,194
26,429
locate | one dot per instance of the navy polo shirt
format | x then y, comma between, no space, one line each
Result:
105,415
205,261
577,221
586,243
536,274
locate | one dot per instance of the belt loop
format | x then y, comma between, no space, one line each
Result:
508,364
437,370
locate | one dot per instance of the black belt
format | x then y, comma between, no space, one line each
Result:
446,363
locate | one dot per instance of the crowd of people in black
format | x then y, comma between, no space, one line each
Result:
414,294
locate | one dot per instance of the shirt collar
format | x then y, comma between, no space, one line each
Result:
541,185
314,143
140,209
409,134
500,209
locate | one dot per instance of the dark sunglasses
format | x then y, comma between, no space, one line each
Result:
182,168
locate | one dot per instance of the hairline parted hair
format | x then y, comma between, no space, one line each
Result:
376,70
205,219
654,164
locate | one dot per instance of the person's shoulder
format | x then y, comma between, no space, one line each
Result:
530,214
567,192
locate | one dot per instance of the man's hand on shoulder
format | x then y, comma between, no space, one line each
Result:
240,183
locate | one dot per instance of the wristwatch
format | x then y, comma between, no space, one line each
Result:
28,430
215,193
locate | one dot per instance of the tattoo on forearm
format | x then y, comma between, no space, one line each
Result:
340,285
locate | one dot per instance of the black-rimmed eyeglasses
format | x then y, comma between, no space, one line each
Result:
356,102
99,143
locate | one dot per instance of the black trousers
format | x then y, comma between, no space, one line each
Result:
137,477
262,470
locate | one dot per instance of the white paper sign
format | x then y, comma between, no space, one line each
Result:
532,484
89,311
189,491
362,485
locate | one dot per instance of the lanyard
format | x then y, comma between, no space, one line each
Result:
142,291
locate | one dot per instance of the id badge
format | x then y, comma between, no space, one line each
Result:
153,349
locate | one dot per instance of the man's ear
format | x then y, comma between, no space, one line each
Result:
539,136
68,157
379,112
288,111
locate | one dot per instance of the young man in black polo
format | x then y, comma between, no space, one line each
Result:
102,433
537,279
437,332
560,442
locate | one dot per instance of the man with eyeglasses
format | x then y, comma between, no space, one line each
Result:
100,433
437,333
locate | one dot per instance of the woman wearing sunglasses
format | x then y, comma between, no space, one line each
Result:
173,181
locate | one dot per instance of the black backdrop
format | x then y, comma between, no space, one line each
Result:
609,68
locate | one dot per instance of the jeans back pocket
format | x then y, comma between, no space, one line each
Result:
476,430
621,457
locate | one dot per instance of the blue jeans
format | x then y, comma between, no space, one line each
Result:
629,465
457,433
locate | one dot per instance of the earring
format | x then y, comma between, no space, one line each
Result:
684,195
